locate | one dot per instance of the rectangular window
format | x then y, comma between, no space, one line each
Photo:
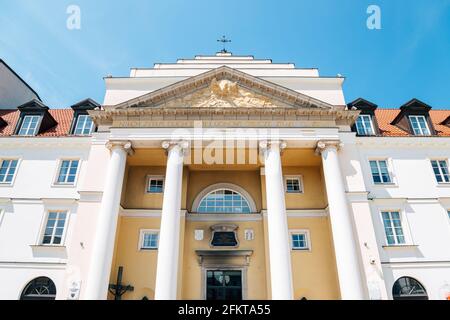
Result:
7,171
293,184
393,227
440,169
419,125
155,185
84,125
380,172
364,125
299,241
29,126
67,172
54,229
149,240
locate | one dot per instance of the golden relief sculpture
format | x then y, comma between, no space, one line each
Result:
223,94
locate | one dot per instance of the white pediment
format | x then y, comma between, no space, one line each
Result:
225,88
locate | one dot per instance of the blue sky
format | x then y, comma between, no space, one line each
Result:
409,57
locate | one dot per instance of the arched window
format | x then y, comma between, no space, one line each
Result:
41,288
406,288
224,201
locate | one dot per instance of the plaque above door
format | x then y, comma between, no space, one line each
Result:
224,236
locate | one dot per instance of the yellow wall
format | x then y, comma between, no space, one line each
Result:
192,270
314,272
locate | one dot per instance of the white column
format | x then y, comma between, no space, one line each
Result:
344,239
103,245
279,249
169,233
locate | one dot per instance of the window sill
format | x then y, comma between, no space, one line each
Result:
301,250
5,185
148,249
54,246
443,184
55,185
400,246
385,185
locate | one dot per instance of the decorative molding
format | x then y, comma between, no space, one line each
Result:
90,196
265,145
322,145
144,213
230,186
303,213
125,145
223,217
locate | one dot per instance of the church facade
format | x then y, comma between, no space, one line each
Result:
224,177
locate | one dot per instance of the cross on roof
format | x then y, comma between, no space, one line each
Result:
224,41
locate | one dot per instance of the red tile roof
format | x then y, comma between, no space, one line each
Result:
62,116
384,118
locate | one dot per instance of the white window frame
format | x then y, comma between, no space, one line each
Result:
58,169
364,125
440,170
153,177
389,168
305,232
44,226
10,184
292,177
36,130
84,126
401,209
2,215
142,233
421,133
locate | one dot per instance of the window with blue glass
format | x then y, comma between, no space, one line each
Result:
29,126
155,185
84,125
299,241
68,172
393,228
440,169
380,171
419,125
224,201
364,125
149,240
7,171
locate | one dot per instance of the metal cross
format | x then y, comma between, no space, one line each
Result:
224,41
118,289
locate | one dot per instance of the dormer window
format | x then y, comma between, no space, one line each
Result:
414,119
84,125
419,125
30,125
364,125
34,119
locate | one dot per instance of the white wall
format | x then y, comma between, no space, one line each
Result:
422,203
24,206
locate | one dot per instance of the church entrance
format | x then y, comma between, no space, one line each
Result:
224,285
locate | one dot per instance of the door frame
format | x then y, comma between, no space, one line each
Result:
206,268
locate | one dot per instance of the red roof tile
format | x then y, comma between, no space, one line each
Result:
62,116
384,118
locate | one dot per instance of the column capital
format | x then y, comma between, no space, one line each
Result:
125,145
322,145
169,144
265,145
